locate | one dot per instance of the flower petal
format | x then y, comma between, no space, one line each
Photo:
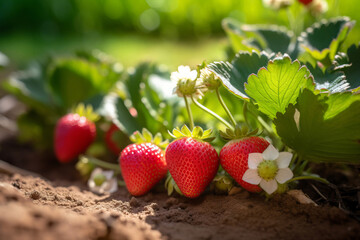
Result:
269,186
111,186
284,159
283,175
270,153
254,159
193,75
251,176
108,174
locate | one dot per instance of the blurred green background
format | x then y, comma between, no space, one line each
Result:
172,32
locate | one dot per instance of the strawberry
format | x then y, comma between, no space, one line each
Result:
143,163
234,155
305,2
192,162
113,138
74,133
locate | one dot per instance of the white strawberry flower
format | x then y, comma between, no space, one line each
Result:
268,169
102,181
186,84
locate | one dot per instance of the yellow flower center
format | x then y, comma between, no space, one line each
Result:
99,179
267,169
186,87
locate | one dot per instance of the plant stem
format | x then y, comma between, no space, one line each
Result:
232,119
191,119
245,110
212,113
106,165
319,179
265,125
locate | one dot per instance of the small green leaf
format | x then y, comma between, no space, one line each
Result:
209,139
197,132
186,131
147,135
233,75
207,133
177,133
327,130
157,139
323,39
278,85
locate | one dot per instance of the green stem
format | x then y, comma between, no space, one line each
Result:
212,113
245,110
191,119
106,165
232,119
319,179
265,125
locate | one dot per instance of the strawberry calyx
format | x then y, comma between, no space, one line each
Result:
145,136
86,111
170,185
197,133
238,132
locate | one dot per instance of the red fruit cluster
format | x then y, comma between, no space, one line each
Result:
73,135
234,158
142,166
192,164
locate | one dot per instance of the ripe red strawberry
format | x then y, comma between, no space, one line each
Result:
143,163
305,2
191,161
111,137
73,135
234,158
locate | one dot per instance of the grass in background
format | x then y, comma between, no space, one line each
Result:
127,49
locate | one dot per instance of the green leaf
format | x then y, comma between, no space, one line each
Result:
68,75
197,132
327,128
273,38
234,75
238,39
147,135
278,85
352,72
323,39
115,108
186,131
328,80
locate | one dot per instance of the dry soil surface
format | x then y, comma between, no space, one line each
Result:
32,208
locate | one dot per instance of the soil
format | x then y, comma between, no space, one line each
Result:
32,208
